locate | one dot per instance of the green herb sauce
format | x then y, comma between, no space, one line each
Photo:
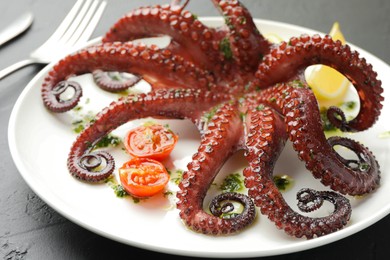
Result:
349,105
80,123
108,140
232,183
297,84
224,47
209,115
118,189
283,182
260,107
176,176
385,134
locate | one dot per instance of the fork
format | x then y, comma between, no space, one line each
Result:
73,31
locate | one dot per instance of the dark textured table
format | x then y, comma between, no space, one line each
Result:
29,229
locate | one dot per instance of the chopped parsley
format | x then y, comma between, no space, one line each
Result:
209,115
242,116
118,189
272,99
364,166
260,107
79,127
228,22
326,124
167,193
229,215
80,124
232,183
242,19
224,46
297,84
108,140
176,176
77,108
283,182
350,105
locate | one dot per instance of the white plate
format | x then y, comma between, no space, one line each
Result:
40,141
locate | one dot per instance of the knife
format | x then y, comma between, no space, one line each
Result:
15,28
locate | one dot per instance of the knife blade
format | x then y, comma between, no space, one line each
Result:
15,28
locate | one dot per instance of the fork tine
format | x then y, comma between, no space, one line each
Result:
66,22
76,22
93,22
77,26
88,23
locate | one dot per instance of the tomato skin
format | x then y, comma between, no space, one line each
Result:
150,141
143,177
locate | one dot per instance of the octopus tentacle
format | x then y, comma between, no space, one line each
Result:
289,60
125,57
224,131
263,149
337,118
114,81
247,44
92,165
143,22
365,163
56,100
227,206
190,38
310,142
179,104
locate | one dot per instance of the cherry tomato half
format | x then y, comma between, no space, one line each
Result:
150,141
143,177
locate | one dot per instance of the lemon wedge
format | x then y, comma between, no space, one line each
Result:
273,37
328,85
336,34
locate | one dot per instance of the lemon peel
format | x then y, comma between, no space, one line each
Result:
273,37
329,86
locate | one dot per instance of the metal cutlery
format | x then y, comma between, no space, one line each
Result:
74,30
21,24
